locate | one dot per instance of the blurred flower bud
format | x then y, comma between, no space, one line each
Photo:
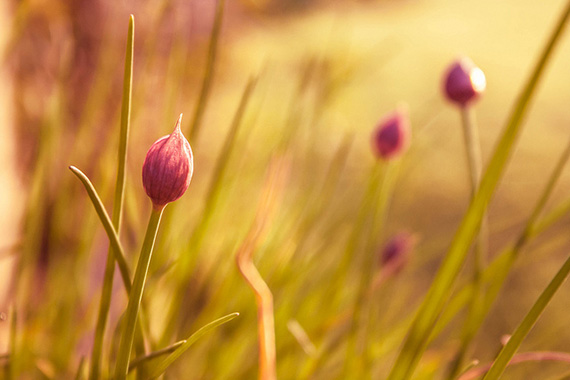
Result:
392,135
167,168
396,252
464,82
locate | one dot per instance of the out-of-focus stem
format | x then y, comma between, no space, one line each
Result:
474,163
209,73
263,296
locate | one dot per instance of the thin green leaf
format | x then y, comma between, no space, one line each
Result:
107,289
528,322
209,73
418,337
153,355
162,366
107,225
80,369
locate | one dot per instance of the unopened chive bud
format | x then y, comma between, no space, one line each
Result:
391,137
167,168
464,82
395,254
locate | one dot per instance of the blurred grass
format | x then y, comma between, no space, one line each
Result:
324,71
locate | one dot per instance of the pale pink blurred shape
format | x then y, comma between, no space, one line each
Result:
464,82
168,168
391,137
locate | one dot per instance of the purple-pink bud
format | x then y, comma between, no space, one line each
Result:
395,254
464,82
167,168
392,135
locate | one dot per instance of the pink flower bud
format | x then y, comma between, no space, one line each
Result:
464,82
167,168
395,254
392,135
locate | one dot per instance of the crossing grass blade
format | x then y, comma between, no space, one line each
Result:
418,336
163,366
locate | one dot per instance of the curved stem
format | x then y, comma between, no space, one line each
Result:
135,296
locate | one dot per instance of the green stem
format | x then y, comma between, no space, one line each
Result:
528,322
135,296
357,348
420,331
106,292
474,162
209,74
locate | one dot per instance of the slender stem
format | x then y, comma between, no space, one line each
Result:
528,322
244,261
361,308
80,369
135,296
209,74
10,368
474,163
434,302
105,303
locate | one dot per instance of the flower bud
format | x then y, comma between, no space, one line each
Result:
167,168
464,82
392,135
395,254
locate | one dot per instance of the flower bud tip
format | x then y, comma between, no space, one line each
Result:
391,137
464,82
168,168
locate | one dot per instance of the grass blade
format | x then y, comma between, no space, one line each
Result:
162,366
528,322
417,339
209,74
107,289
153,355
108,225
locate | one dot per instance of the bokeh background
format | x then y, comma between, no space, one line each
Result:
327,72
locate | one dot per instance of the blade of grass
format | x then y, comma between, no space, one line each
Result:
209,73
212,196
13,346
417,339
80,369
163,366
503,261
528,322
475,373
105,303
153,355
244,260
475,162
108,226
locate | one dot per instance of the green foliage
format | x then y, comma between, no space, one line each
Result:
318,254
